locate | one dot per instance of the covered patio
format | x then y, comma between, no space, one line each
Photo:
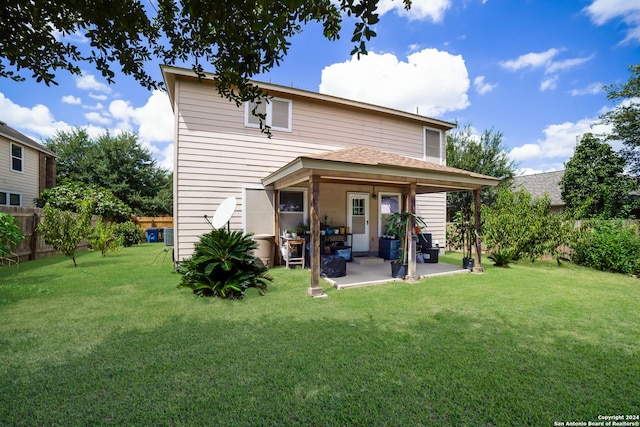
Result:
362,273
362,165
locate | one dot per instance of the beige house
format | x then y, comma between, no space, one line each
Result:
329,161
28,168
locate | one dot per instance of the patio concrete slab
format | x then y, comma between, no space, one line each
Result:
374,274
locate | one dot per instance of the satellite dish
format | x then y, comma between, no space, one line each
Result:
224,212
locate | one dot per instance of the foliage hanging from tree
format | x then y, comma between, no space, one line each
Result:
237,38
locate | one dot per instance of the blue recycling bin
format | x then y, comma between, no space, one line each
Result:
152,235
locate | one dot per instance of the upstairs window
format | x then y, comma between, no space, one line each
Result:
17,154
277,111
432,145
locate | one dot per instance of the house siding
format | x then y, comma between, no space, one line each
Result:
25,183
216,155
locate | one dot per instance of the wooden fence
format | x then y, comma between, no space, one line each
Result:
154,222
33,245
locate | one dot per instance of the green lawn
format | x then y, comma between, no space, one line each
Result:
113,342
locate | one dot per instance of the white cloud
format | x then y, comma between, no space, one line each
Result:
37,119
70,99
433,81
603,11
592,89
481,87
154,120
166,157
559,142
89,82
543,60
549,84
420,9
98,97
530,60
98,106
97,118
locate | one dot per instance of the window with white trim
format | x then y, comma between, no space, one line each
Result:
433,145
17,158
388,204
276,110
10,199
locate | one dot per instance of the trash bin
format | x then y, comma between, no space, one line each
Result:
266,245
152,235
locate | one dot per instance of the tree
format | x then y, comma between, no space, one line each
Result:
119,164
625,118
69,196
594,183
485,155
239,39
64,230
10,235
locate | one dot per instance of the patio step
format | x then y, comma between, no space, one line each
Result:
368,260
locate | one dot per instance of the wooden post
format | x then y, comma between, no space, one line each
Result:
477,268
277,258
34,238
411,209
314,254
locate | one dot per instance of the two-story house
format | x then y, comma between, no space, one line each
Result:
28,168
329,161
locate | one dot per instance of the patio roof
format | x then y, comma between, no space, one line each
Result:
366,165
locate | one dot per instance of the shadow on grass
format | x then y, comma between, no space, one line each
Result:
446,369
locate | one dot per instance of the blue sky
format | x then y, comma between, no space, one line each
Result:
532,70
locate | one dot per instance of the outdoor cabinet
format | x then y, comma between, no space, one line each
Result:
388,248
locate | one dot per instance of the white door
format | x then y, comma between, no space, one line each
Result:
358,221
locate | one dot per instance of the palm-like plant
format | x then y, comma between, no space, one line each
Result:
400,226
223,265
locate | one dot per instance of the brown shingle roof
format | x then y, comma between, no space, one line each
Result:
12,134
368,156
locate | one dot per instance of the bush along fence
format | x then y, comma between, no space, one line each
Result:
33,245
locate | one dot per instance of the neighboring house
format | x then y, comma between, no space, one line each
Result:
28,168
543,183
329,159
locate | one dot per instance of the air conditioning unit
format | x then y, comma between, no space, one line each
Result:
168,236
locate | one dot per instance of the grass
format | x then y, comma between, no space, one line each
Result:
113,342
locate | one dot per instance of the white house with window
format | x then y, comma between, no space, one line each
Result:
27,168
364,161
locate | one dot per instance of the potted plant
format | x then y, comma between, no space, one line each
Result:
465,238
400,226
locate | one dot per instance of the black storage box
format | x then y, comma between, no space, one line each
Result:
430,255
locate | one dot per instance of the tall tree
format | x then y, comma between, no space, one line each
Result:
625,118
238,38
594,183
485,155
118,163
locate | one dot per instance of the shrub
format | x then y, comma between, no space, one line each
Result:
103,237
65,230
68,196
129,233
10,234
608,245
501,257
223,265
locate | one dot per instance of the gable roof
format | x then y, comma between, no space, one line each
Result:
171,74
15,136
541,183
363,164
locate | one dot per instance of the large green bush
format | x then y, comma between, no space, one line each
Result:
130,233
223,265
519,226
608,245
68,196
102,237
